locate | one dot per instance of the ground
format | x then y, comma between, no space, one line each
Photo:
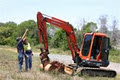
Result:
9,71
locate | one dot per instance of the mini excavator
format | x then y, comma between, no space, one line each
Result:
93,53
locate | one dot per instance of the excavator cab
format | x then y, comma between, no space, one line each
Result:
95,50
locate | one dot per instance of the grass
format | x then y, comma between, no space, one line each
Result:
114,55
99,78
9,71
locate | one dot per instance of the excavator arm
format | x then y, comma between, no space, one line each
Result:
42,31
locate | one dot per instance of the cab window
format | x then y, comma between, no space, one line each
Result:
86,45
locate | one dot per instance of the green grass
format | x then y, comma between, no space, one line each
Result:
9,71
114,55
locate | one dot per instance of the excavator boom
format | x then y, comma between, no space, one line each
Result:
42,30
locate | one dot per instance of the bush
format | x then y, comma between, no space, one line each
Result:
59,40
114,55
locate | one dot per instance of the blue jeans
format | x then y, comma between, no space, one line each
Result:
20,60
28,62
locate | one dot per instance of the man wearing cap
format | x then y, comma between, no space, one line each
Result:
20,50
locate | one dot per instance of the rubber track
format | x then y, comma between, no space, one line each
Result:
98,72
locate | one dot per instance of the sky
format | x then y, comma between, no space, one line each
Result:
72,11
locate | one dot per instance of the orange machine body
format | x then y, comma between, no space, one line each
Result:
93,51
88,56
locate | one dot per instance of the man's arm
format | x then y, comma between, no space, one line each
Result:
24,33
23,37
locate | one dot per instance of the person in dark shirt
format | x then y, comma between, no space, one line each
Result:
20,50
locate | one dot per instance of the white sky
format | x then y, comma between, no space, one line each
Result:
69,10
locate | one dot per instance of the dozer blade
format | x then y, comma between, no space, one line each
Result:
97,72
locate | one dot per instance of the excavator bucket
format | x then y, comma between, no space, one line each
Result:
48,65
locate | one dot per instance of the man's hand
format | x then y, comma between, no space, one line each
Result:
26,56
24,33
26,30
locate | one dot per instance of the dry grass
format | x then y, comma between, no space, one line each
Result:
9,71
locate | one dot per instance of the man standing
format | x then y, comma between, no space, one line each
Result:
20,50
28,58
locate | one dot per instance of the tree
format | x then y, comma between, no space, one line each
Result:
50,32
103,24
115,33
90,27
80,31
59,40
32,35
81,24
6,33
1,24
10,30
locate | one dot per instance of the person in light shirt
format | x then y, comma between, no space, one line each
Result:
28,58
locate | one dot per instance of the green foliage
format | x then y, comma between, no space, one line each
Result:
114,55
59,40
79,37
56,37
32,35
10,30
89,27
6,33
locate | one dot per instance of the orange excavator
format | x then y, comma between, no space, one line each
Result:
94,50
